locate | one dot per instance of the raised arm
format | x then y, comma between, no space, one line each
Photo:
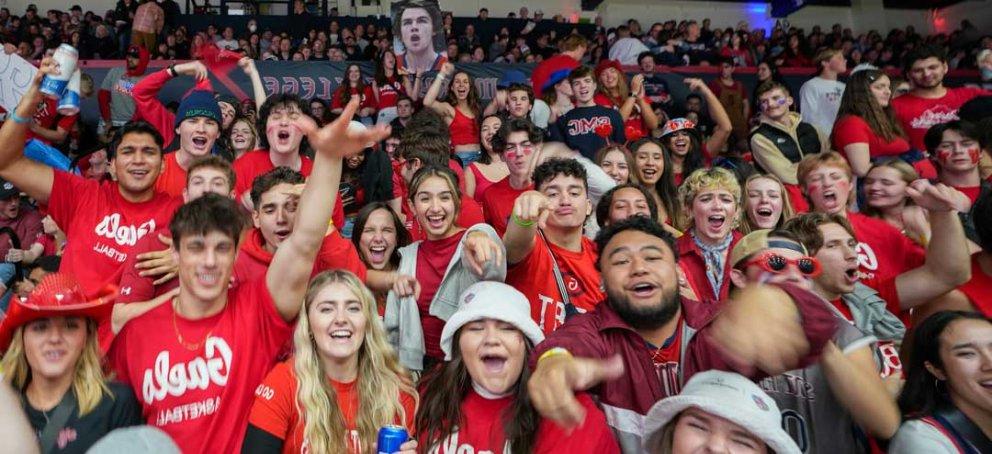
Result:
530,212
290,269
145,94
430,99
947,264
648,117
258,90
33,178
719,116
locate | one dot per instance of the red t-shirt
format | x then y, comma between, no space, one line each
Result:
389,93
275,410
102,227
257,162
634,123
433,258
335,253
918,114
48,117
534,277
853,129
368,97
971,191
883,252
172,180
979,288
202,397
481,430
497,203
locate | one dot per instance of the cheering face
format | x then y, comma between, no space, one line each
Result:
650,162
713,212
226,114
966,351
881,90
417,30
461,85
828,188
283,136
518,103
198,134
137,163
494,354
927,73
52,346
884,188
839,259
764,203
435,207
697,431
489,128
276,214
584,89
615,165
570,201
242,138
205,263
10,207
764,268
639,271
775,103
207,180
338,322
628,202
958,153
378,239
518,153
680,142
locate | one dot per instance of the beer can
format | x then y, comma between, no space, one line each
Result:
65,57
390,439
69,103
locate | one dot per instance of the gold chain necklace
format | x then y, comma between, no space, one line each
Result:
179,335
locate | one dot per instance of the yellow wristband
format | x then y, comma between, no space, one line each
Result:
556,351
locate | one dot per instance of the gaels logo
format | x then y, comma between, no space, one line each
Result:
125,235
167,379
866,257
933,116
572,284
581,126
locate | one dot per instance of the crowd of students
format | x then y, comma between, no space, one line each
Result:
580,265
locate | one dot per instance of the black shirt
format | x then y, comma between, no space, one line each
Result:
120,409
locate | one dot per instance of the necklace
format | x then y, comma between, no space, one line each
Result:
179,335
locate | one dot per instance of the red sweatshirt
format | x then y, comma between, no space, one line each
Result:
148,107
335,253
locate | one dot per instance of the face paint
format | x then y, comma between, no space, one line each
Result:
974,153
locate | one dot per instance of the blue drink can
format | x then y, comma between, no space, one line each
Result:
390,439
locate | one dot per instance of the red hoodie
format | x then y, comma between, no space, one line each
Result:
104,96
335,253
150,109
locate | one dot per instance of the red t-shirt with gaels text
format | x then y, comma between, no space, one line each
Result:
918,114
254,163
275,409
201,395
172,180
481,430
534,277
433,257
883,252
497,203
102,227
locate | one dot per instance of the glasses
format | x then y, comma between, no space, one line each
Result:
775,263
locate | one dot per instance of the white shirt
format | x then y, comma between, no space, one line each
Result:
819,100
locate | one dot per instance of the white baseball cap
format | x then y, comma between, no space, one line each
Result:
495,300
729,396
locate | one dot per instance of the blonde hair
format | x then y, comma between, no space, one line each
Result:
787,210
88,382
906,173
628,157
380,381
703,180
812,162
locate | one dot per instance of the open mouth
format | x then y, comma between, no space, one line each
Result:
138,173
282,234
851,274
377,254
643,289
830,196
649,172
494,363
283,137
207,279
716,221
436,221
54,355
200,142
414,38
341,335
987,384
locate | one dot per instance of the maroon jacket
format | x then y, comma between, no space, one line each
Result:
626,400
694,266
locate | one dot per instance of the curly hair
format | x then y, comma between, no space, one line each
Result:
707,179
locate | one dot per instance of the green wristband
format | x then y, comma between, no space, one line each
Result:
521,222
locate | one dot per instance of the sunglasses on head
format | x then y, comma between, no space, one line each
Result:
776,263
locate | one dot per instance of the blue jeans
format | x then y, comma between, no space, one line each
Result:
468,157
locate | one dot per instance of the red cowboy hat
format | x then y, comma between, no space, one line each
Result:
607,64
57,295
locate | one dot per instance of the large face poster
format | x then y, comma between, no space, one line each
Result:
419,36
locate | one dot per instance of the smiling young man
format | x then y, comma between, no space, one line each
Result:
519,142
581,127
196,123
649,336
826,180
102,220
195,381
930,102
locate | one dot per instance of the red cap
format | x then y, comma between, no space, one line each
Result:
603,65
57,295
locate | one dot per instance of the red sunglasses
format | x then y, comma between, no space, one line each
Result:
776,263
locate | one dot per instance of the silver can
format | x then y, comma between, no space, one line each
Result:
65,58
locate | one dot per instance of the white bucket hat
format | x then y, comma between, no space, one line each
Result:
495,300
729,396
